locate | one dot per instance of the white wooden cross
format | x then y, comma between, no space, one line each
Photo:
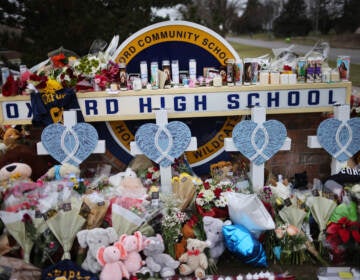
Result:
165,172
258,115
70,120
342,113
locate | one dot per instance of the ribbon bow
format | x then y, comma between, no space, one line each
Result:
195,252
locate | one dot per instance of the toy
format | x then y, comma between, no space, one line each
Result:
133,244
213,231
62,171
94,239
194,260
11,136
15,171
180,247
25,153
156,260
110,259
128,184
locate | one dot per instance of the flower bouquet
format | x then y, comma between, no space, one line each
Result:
343,239
210,199
172,222
290,247
184,187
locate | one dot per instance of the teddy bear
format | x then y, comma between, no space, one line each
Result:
158,261
15,171
62,171
110,258
94,239
213,230
133,244
27,154
194,260
187,231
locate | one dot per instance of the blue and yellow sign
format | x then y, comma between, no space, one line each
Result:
182,41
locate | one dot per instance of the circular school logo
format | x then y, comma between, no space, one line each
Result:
182,41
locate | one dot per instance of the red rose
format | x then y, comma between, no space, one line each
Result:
217,192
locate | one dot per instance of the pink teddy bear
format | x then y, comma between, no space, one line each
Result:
133,244
110,258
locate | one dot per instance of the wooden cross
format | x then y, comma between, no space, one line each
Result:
258,115
165,172
342,113
70,120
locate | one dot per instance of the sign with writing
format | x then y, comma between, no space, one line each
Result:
186,102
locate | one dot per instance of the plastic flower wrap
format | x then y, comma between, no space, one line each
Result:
61,211
292,215
321,208
15,223
249,211
184,187
130,214
96,207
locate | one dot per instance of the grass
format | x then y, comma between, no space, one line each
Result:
250,51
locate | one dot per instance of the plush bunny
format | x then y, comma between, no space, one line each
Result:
110,259
194,260
213,231
156,260
133,244
94,239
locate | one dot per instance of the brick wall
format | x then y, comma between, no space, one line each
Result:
316,162
300,158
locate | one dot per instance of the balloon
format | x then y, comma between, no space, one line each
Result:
239,240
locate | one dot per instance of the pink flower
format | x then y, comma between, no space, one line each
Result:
292,230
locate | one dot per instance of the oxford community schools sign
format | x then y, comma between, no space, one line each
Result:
210,112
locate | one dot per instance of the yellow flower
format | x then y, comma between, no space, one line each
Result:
175,179
51,86
184,174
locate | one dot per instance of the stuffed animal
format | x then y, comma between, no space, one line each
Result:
158,261
110,259
62,171
11,136
133,244
24,153
194,260
128,184
94,239
187,232
213,231
15,171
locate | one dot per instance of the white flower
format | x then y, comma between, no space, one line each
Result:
208,195
221,201
200,201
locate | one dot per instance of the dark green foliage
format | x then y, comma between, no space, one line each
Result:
76,24
293,21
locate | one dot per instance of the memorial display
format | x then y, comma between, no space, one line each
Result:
146,99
